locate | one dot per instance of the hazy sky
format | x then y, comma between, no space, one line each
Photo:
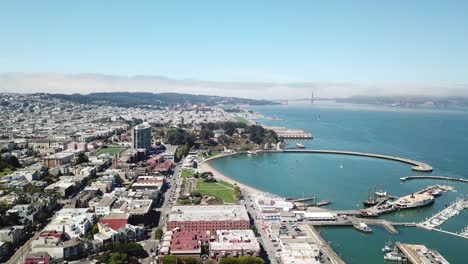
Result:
362,45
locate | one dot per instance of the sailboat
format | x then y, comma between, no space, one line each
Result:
371,201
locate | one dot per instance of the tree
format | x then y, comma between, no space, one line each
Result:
205,174
254,229
223,140
195,193
158,233
242,260
131,249
118,258
82,158
206,134
190,260
171,260
250,260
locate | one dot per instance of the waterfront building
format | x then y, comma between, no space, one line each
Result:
271,206
208,217
141,137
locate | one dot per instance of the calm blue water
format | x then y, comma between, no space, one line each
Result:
438,138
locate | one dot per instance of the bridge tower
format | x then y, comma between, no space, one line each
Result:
312,98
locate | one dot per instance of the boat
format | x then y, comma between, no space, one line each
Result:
299,145
381,193
388,247
394,256
341,166
363,227
251,152
414,200
371,201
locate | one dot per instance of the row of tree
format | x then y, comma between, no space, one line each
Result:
189,260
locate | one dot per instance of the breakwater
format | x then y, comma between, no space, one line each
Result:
417,165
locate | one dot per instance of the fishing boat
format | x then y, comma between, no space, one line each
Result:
395,256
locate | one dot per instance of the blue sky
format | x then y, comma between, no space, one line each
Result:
273,41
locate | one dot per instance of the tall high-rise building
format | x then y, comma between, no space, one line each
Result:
142,136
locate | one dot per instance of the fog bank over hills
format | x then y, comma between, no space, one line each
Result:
90,83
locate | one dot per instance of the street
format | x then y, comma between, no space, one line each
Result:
170,195
265,240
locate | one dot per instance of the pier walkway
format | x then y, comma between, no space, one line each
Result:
417,165
430,177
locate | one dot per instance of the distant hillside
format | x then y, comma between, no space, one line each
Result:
408,101
126,99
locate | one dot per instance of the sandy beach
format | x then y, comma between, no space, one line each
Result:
206,166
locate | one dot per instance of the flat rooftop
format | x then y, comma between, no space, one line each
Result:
208,213
235,240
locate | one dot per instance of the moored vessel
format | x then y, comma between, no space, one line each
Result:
363,227
414,200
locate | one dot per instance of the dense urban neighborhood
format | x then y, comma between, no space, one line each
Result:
108,184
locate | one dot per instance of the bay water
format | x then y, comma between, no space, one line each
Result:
438,137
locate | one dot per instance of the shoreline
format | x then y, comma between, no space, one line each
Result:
206,166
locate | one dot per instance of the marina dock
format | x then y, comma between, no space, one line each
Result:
429,177
444,215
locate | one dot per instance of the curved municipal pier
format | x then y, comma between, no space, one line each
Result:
417,166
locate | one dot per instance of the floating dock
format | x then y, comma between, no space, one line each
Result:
444,215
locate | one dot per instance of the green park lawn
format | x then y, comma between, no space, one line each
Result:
222,190
242,120
111,150
187,173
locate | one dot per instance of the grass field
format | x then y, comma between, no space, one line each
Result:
187,173
242,120
111,150
5,172
222,190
